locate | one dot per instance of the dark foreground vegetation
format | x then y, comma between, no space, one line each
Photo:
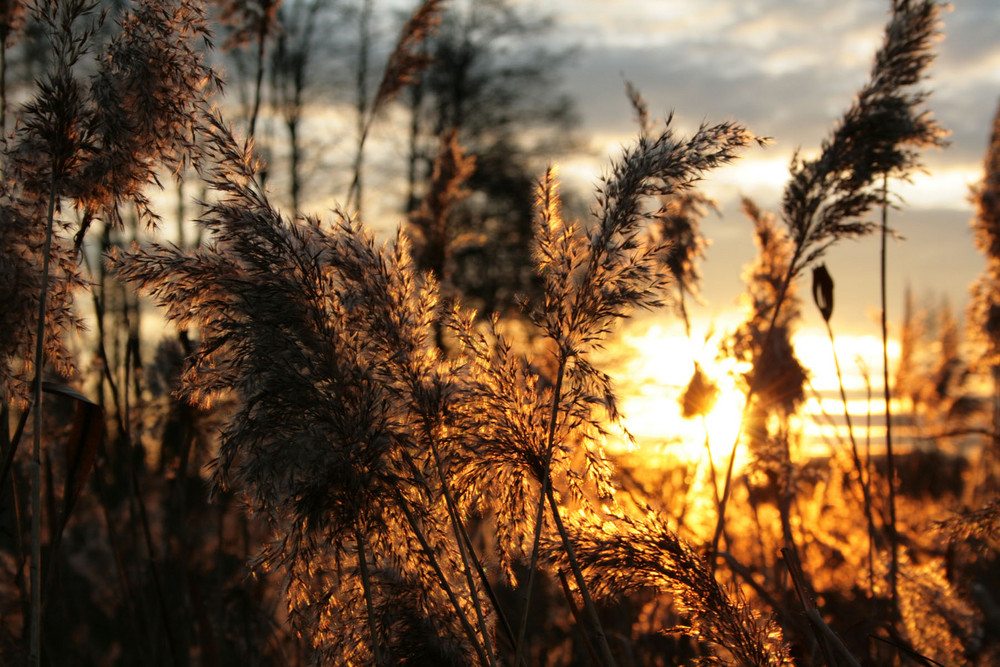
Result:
327,456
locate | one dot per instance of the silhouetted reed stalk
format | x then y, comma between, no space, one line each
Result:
826,197
540,512
465,551
590,282
402,69
442,578
252,22
823,296
366,584
887,396
35,619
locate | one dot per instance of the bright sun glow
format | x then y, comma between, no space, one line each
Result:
653,364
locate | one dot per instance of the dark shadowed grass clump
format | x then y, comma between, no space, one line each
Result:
93,145
326,339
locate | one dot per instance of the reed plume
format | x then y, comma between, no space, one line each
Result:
591,278
626,554
326,340
827,198
94,145
676,225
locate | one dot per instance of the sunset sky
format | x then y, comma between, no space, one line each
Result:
788,70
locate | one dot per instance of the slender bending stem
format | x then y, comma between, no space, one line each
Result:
442,579
547,494
890,464
463,552
367,585
588,602
463,535
35,636
365,115
865,491
261,40
713,475
540,514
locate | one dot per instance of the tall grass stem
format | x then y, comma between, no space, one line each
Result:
35,635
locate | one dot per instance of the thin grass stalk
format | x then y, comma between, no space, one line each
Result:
547,493
890,464
899,644
825,636
261,38
501,616
588,601
462,534
862,480
35,636
12,449
365,116
751,392
462,550
523,628
436,566
711,465
785,503
868,475
540,513
366,585
575,610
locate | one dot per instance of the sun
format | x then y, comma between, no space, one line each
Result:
653,366
722,423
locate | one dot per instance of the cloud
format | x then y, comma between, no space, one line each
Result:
787,70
